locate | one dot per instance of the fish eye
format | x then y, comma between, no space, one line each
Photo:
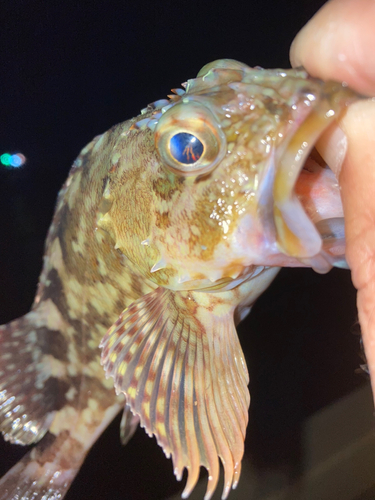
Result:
189,140
186,148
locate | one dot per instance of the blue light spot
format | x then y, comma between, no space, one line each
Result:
12,160
186,148
15,161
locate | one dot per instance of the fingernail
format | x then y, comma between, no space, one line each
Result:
332,146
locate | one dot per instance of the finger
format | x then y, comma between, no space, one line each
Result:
355,136
338,44
357,182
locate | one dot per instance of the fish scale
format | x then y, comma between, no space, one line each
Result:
153,254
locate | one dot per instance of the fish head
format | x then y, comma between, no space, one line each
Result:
229,183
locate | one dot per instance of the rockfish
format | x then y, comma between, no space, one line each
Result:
168,228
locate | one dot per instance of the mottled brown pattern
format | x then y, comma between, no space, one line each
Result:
55,292
75,262
55,390
50,448
167,190
53,342
97,320
162,220
129,221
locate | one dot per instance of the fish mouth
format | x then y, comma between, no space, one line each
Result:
318,191
308,217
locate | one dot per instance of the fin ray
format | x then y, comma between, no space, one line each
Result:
27,405
128,425
183,373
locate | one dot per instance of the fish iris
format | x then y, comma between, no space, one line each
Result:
186,148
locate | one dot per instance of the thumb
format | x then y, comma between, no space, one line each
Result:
338,44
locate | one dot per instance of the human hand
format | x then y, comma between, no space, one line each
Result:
338,43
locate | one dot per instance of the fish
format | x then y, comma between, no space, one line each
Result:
168,228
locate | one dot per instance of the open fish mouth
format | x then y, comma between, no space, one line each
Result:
318,191
307,210
310,225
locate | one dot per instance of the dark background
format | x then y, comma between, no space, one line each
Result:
69,71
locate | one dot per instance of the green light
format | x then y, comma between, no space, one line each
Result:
5,159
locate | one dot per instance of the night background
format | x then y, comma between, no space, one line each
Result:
69,71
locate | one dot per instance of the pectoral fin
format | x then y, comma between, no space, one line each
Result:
177,358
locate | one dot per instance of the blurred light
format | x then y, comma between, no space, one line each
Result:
12,161
17,160
5,159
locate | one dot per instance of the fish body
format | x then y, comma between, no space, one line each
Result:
168,228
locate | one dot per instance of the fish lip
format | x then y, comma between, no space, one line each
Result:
285,218
317,193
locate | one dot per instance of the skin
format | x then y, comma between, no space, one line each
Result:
337,43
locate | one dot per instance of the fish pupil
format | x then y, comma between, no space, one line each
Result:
186,148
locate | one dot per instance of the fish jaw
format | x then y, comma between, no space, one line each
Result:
317,198
298,219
